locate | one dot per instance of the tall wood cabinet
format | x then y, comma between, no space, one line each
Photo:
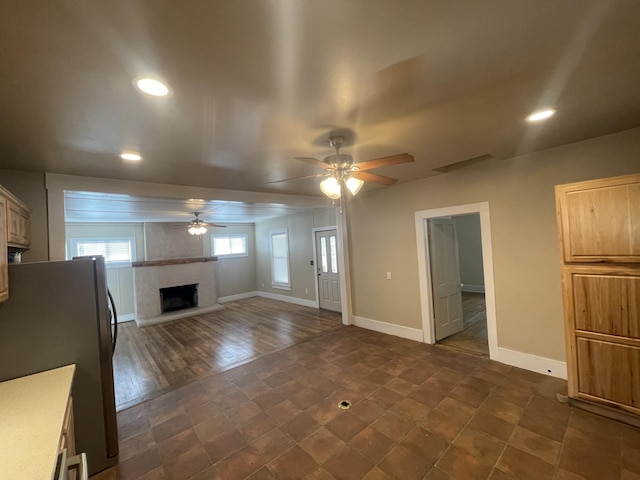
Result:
599,233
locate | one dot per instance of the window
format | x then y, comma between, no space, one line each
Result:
117,251
229,245
280,259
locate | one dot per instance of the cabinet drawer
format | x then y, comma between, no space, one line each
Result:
609,371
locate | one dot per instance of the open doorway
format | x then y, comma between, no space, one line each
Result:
442,292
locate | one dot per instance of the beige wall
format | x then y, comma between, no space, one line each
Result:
29,187
235,275
520,192
300,234
470,249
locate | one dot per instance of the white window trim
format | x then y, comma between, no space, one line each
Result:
73,249
274,284
230,255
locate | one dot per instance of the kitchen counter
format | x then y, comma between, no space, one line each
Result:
32,411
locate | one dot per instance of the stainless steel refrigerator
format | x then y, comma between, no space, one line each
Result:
58,313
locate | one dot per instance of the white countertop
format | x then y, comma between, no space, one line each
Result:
32,412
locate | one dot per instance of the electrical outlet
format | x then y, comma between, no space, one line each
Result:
306,290
388,275
263,285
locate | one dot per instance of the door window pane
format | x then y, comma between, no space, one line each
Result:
334,254
323,254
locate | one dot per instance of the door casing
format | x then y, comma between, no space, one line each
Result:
424,269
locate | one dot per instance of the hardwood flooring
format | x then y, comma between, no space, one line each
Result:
473,339
152,360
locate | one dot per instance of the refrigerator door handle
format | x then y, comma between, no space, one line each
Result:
114,330
79,462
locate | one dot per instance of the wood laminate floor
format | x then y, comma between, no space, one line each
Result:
152,360
473,338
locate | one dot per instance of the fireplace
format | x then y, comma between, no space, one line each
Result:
160,277
178,298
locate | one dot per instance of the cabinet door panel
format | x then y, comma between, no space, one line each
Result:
607,304
609,371
600,222
4,278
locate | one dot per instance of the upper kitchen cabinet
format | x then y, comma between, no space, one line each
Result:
15,234
4,277
17,221
600,220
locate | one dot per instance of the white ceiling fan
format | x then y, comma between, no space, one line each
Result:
198,227
340,169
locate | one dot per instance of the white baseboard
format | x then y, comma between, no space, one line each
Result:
285,298
126,318
534,363
238,296
187,312
388,328
467,287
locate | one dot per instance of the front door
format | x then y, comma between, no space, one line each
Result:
327,267
445,277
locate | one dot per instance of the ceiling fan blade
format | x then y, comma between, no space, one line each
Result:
298,178
372,177
315,161
214,225
384,161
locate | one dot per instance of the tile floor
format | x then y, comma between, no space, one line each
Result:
418,412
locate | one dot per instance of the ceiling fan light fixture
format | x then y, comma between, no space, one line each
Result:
354,185
197,230
330,186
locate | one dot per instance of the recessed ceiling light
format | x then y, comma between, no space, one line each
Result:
132,156
151,86
541,115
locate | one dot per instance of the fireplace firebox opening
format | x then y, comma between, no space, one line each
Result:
178,298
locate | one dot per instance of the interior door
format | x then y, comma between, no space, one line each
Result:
445,277
327,266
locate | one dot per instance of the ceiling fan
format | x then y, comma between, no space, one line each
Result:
340,169
198,227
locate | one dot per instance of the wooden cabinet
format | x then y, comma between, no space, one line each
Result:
15,233
4,277
599,233
18,225
600,220
67,437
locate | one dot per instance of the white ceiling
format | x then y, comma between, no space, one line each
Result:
259,82
110,207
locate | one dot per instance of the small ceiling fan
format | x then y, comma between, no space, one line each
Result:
198,227
340,169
